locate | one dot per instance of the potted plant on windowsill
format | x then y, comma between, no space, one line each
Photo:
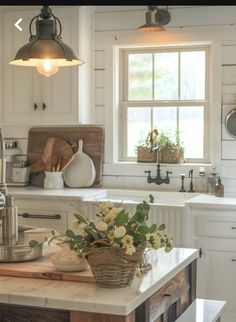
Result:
146,149
170,150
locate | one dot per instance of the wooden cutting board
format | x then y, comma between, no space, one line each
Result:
93,143
43,269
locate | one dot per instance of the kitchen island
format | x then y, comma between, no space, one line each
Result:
165,292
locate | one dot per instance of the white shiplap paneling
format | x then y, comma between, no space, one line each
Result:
229,150
229,54
184,16
99,59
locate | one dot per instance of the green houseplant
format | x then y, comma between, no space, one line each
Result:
146,148
170,150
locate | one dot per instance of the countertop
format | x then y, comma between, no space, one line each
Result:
211,201
73,194
68,194
90,297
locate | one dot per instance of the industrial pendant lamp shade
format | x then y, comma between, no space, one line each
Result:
155,20
46,50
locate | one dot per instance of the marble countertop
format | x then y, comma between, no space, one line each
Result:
211,201
41,193
90,297
88,194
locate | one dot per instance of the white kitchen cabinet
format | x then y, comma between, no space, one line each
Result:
215,234
30,98
44,213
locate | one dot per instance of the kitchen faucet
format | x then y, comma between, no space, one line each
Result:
158,179
191,181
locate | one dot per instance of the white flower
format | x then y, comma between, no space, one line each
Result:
105,206
127,241
130,250
101,226
115,211
154,240
109,219
119,232
79,228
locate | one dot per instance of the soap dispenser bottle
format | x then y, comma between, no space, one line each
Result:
212,181
219,189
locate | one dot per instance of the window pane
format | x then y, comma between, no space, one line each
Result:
139,123
191,125
192,75
166,76
165,119
140,77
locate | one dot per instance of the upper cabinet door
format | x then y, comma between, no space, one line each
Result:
60,92
21,85
28,97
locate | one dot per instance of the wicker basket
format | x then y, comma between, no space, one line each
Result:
146,155
112,267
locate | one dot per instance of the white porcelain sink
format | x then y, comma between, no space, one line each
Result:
170,198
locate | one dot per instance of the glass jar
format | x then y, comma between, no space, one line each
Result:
53,180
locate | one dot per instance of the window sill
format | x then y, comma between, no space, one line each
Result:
138,168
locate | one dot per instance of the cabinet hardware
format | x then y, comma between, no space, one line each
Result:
200,252
44,106
233,227
233,260
37,216
35,106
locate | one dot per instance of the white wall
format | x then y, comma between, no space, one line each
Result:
116,25
215,24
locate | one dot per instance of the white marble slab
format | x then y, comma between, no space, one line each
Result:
211,201
68,194
90,297
203,310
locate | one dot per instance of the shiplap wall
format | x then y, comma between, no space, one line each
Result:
112,22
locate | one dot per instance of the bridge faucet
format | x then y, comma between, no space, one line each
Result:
158,179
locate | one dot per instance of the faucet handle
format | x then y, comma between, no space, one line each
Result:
168,172
148,171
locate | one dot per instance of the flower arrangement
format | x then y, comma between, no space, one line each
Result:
115,228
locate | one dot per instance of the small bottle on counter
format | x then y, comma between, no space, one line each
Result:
212,180
219,189
201,183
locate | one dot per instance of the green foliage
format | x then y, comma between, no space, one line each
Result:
167,143
115,228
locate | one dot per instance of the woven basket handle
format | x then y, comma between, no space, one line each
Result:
100,241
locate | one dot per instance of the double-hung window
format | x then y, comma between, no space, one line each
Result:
165,88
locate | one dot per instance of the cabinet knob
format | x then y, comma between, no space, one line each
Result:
44,106
35,106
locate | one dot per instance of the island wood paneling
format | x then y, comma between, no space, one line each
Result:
93,143
95,317
10,313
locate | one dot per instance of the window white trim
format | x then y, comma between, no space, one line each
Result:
112,45
126,103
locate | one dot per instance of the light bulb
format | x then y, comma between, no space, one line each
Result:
47,67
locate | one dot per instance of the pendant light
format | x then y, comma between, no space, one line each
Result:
46,50
155,19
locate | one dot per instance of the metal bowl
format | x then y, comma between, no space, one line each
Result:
21,252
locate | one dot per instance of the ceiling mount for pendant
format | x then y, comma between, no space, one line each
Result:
155,19
46,50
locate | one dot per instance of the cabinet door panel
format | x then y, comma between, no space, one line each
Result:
21,85
60,91
222,277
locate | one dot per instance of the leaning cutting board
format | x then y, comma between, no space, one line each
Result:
93,143
81,171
